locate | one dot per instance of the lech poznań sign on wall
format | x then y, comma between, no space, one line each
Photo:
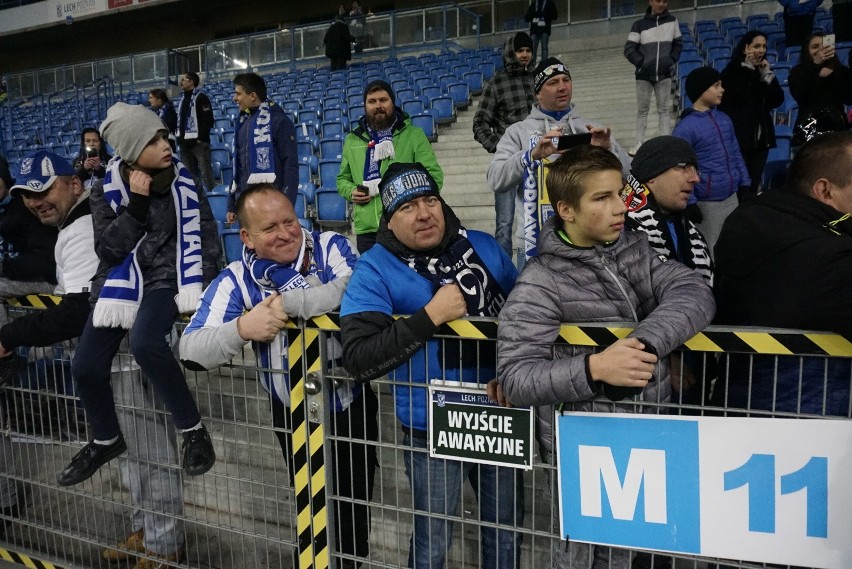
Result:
464,424
755,489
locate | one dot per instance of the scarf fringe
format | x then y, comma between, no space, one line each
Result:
188,297
115,314
383,150
261,178
372,186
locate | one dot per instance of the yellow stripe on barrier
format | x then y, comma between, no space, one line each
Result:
701,343
575,336
25,560
832,344
467,329
764,343
326,322
40,301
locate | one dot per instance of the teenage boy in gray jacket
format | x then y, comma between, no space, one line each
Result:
589,270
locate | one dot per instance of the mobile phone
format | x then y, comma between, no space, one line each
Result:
567,141
828,40
91,152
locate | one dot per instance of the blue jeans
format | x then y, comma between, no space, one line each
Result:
504,208
436,488
93,361
542,39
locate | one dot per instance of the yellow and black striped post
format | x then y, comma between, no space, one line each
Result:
308,449
35,301
26,560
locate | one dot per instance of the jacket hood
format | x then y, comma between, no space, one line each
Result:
510,63
746,247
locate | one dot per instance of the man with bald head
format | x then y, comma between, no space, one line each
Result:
287,272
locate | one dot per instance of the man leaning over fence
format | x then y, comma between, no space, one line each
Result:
589,270
427,265
50,189
784,260
288,272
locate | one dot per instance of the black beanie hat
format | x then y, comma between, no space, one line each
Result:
404,182
547,69
381,85
699,80
659,154
521,40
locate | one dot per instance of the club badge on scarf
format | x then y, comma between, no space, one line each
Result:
121,294
260,145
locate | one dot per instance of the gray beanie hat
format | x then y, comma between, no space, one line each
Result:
659,154
129,129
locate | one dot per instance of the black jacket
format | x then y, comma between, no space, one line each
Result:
153,219
785,260
749,101
57,323
338,41
203,112
31,242
547,13
822,94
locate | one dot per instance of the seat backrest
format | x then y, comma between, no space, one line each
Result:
219,205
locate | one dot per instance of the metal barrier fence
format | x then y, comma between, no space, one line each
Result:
249,511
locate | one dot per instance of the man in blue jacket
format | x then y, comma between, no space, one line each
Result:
264,144
653,47
426,265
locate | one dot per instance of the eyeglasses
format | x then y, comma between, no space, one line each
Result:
687,168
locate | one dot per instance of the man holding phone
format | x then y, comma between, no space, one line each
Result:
384,135
528,146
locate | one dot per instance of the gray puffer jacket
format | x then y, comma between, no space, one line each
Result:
622,282
153,220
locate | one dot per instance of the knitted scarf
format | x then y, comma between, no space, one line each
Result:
121,294
271,276
379,148
191,130
261,162
644,214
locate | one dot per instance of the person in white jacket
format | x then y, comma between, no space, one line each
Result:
527,147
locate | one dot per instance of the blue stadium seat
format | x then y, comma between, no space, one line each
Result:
413,107
475,81
309,190
306,223
331,148
426,122
444,110
304,173
755,20
220,189
221,155
460,94
227,175
301,205
333,129
232,245
219,205
331,208
328,170
781,152
304,148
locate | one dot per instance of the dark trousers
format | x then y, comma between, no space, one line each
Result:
364,241
354,466
92,365
755,162
337,63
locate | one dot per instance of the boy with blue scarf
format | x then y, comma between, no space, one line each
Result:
158,246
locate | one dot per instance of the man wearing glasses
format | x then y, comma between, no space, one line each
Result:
660,182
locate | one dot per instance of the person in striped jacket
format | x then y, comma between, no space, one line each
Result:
287,272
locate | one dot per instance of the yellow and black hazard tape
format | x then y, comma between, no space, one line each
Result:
308,454
713,339
26,560
35,301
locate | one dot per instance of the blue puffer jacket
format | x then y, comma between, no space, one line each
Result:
723,171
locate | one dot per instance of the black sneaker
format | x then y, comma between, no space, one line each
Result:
87,461
10,367
198,453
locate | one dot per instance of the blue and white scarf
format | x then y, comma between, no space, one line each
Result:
379,148
121,294
191,130
261,162
271,276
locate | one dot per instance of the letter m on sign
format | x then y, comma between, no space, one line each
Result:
629,481
646,470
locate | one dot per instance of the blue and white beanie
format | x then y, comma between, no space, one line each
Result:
404,182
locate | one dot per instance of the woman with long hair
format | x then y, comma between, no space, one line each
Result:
821,85
751,92
92,159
